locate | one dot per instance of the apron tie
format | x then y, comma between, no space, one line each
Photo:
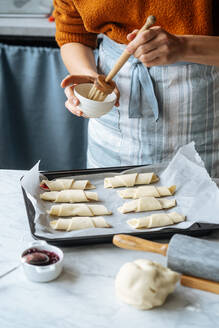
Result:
141,83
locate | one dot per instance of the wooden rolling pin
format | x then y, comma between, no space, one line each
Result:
182,256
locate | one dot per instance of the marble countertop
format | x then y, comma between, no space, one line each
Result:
83,296
37,27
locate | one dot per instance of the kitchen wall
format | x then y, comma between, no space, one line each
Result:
34,123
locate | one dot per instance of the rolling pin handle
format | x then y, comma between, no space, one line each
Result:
139,244
198,283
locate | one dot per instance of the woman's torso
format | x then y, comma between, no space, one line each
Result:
188,98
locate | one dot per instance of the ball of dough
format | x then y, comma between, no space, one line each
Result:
145,284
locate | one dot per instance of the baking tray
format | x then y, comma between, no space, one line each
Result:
196,229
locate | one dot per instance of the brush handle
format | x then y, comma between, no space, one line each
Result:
139,244
125,55
198,283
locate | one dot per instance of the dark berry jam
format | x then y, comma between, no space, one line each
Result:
53,257
44,186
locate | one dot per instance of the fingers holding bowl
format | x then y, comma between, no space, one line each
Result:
72,101
68,83
73,109
76,91
76,79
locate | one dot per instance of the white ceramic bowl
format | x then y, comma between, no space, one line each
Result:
93,108
47,272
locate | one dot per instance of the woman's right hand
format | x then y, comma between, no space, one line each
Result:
69,83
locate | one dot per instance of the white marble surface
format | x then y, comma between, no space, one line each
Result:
83,296
27,26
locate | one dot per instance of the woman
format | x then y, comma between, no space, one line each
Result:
169,87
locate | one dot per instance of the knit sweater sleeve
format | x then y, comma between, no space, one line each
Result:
70,26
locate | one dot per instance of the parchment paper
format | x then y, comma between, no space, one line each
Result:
196,194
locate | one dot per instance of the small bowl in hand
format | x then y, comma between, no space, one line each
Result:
93,108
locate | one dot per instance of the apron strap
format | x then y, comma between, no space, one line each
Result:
141,82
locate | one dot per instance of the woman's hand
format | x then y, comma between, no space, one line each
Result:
156,47
69,83
72,101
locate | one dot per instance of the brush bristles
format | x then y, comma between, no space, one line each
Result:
101,89
95,94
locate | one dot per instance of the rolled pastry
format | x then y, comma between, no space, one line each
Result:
156,220
147,191
69,196
78,210
65,184
79,223
146,204
129,180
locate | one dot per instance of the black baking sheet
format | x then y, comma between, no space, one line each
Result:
196,229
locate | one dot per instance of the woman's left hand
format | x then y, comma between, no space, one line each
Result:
156,47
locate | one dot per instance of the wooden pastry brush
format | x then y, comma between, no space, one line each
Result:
104,86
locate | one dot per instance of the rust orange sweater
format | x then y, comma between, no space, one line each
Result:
81,20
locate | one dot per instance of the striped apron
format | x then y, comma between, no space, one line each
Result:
161,109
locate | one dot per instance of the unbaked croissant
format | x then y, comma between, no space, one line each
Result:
147,191
156,220
69,196
146,204
77,223
78,210
65,184
129,180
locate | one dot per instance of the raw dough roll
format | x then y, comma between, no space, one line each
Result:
76,223
78,210
147,191
64,184
129,180
145,284
146,204
156,220
69,196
